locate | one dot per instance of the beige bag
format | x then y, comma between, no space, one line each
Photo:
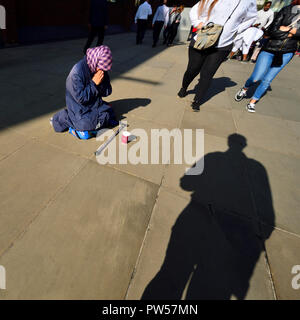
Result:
209,35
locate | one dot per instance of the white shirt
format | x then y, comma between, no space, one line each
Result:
249,35
242,18
144,11
264,18
162,14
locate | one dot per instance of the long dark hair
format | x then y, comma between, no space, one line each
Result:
202,4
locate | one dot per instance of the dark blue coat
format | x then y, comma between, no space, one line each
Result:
85,107
99,13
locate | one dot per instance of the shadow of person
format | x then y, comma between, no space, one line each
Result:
218,238
251,90
217,86
123,106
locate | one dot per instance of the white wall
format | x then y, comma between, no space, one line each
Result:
185,26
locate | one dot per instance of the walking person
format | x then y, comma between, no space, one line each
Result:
276,54
98,22
174,26
160,20
172,12
265,18
141,19
234,16
244,41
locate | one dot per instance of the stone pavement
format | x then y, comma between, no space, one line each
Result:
74,229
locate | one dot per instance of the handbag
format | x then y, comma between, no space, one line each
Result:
209,35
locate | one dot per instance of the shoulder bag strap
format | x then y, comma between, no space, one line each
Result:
232,12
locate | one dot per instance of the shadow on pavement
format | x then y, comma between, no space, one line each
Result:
219,237
33,77
123,106
217,86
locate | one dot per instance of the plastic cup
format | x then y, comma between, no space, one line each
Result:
125,137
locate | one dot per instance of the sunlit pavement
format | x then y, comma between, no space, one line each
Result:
71,228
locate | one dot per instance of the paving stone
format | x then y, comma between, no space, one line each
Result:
88,242
267,132
10,141
190,253
214,121
148,171
282,174
33,175
284,254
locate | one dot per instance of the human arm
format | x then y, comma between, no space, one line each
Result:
83,92
249,18
276,30
270,20
155,16
105,88
137,15
196,21
294,33
149,11
178,19
167,17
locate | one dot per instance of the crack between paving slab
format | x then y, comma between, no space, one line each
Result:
270,274
39,212
62,149
286,231
18,149
144,240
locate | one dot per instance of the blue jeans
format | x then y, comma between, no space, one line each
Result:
265,73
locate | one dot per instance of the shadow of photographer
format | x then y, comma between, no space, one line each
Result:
219,237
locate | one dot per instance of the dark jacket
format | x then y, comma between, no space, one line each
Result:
85,106
99,13
279,41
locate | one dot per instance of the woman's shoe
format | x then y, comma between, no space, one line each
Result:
195,106
250,107
241,94
113,123
182,93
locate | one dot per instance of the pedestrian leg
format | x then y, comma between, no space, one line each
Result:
156,31
208,70
101,32
91,37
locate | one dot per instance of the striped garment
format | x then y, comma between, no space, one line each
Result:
99,57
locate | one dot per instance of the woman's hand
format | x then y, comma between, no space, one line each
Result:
98,77
284,29
292,32
200,25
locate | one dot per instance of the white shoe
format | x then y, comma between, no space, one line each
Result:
250,107
51,122
241,94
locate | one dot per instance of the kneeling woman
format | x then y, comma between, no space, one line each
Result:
86,84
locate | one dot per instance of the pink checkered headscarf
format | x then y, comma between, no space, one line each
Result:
99,57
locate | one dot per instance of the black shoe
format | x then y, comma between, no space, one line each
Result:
182,93
154,45
240,95
195,106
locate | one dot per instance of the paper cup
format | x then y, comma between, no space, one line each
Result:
125,137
